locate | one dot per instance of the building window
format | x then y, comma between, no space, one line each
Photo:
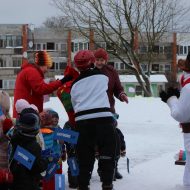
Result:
117,66
57,47
18,40
161,67
17,62
8,84
161,49
143,49
50,46
167,67
1,84
144,67
62,65
38,46
180,49
86,45
44,46
76,47
1,62
63,47
9,42
122,66
185,49
138,90
155,67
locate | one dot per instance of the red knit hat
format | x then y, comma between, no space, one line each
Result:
7,124
101,53
42,58
84,59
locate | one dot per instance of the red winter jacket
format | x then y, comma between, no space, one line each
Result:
114,85
30,86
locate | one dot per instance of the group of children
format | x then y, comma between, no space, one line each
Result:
34,132
93,119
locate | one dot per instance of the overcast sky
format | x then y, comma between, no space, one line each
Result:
30,11
26,11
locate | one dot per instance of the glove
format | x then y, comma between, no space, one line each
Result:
164,96
66,79
124,98
123,153
173,92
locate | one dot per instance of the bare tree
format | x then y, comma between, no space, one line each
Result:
58,23
120,22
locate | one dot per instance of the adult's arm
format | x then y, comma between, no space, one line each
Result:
180,107
37,84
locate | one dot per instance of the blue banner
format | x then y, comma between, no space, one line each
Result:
59,182
24,157
73,166
52,168
66,135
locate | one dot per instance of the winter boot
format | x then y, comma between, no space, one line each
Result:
107,187
117,175
73,181
83,188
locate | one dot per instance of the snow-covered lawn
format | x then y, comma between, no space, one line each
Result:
152,139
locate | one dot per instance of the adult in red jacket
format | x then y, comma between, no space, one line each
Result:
30,84
114,89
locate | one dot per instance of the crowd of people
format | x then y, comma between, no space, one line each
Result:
87,93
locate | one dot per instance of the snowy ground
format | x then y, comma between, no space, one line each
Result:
152,139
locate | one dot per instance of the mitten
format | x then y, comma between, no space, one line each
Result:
173,92
66,79
164,96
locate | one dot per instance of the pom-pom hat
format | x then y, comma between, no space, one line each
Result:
42,58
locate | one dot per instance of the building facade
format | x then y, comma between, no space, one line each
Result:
22,40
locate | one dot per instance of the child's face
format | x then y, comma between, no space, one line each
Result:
55,120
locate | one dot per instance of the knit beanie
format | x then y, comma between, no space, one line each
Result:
42,58
28,123
101,53
22,104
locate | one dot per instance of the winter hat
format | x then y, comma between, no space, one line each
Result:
83,59
21,104
28,123
101,53
7,124
42,58
184,64
4,102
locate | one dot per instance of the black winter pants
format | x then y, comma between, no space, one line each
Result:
98,132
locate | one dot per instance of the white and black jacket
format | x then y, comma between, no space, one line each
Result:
89,95
180,107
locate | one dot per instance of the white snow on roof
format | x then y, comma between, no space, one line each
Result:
153,78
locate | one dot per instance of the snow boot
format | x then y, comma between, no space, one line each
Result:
73,181
107,187
83,188
118,175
